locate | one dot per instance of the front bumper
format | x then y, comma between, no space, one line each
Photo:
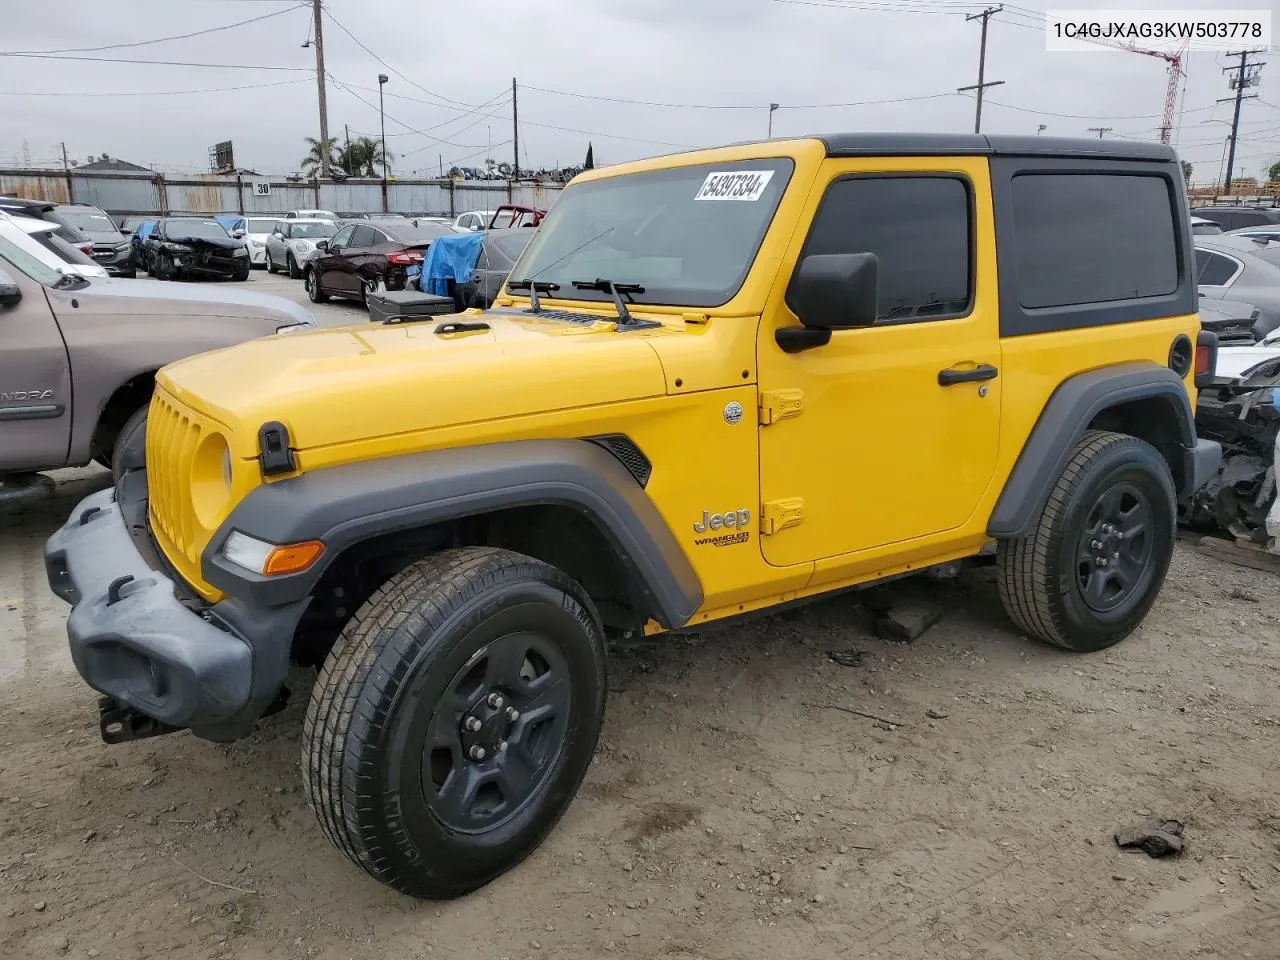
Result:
215,668
258,256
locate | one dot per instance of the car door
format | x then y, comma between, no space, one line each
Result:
275,243
883,441
371,261
35,374
330,266
353,258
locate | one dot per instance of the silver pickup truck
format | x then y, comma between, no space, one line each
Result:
78,355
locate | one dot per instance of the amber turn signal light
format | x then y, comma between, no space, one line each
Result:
292,557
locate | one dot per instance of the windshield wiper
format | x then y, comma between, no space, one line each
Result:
615,290
533,286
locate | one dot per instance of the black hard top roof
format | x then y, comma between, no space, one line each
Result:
977,144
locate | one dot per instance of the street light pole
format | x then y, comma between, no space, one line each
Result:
382,116
772,107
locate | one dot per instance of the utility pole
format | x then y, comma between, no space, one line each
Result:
1101,131
324,107
346,130
382,119
772,107
981,85
1246,76
66,170
515,128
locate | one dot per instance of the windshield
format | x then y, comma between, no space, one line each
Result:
91,221
318,214
313,230
424,233
688,235
261,226
206,229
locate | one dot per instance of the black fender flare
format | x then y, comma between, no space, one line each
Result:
344,505
1069,411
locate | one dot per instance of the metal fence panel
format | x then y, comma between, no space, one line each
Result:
119,194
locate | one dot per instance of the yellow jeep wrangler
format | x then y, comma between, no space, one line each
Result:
715,383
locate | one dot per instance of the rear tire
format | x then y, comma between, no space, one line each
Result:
1094,564
399,779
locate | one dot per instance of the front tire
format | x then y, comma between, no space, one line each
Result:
1090,571
311,280
454,719
164,267
129,452
292,264
271,264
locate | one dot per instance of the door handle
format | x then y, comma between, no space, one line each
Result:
950,377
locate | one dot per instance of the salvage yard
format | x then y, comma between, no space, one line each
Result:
736,807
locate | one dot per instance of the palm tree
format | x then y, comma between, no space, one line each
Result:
362,157
313,162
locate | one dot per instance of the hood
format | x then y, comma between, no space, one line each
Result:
217,243
111,237
108,297
340,385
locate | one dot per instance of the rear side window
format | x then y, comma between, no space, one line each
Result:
920,229
362,238
1093,238
1213,269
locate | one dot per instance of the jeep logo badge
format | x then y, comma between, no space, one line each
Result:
729,520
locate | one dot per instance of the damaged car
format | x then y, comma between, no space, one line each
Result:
1243,415
181,248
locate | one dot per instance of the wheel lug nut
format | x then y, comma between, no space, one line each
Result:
496,701
473,724
513,714
477,753
1096,544
1102,561
502,747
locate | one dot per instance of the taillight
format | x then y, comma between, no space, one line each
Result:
404,258
1204,357
86,248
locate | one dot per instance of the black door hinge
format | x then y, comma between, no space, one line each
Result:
273,445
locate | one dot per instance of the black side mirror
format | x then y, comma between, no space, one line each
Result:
10,292
831,291
322,244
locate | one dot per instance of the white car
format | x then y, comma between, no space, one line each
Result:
37,238
293,242
254,231
312,215
1234,362
472,220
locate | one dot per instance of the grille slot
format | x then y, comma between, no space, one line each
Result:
172,438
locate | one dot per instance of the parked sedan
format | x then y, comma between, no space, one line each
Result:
1239,268
292,243
498,254
364,255
254,231
186,247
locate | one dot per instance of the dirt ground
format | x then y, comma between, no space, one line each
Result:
734,809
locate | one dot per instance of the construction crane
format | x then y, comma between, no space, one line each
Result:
1175,70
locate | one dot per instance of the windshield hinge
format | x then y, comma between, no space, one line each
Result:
778,405
776,515
273,446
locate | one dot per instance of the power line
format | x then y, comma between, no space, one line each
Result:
1082,116
461,114
869,6
371,106
412,83
144,43
156,63
734,106
148,93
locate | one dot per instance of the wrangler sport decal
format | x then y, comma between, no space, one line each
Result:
734,185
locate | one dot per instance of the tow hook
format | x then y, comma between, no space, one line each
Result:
121,723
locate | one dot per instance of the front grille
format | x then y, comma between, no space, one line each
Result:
172,437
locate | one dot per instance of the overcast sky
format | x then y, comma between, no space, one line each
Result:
448,58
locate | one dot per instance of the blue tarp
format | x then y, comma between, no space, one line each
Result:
449,258
228,220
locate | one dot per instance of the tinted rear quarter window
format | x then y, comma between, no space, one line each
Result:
1093,238
1213,269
